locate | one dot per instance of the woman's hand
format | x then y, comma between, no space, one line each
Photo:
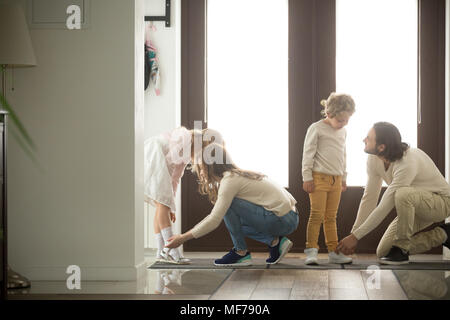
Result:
178,239
308,186
172,217
344,186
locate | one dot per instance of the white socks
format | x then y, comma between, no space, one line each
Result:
159,244
166,234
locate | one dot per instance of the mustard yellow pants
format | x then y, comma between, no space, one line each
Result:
324,206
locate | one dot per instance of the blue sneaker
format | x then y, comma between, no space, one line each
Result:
279,251
234,259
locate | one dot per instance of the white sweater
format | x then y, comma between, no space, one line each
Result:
415,169
324,151
265,193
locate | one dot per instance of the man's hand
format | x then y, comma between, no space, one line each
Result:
344,186
172,217
308,186
347,245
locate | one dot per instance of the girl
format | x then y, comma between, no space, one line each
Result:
166,157
250,204
324,174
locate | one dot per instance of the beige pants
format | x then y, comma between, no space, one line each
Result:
416,210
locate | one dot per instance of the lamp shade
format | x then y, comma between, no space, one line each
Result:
16,49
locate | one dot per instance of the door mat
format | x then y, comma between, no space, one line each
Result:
207,264
292,263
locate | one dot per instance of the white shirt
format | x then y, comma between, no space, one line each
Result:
324,151
415,169
265,193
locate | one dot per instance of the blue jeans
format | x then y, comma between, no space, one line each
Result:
246,219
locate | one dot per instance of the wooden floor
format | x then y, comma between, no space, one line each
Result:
288,284
265,284
308,285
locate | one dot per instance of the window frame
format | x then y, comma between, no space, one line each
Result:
312,76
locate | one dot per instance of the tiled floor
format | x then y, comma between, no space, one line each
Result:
249,284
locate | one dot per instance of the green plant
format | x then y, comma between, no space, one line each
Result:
19,132
22,136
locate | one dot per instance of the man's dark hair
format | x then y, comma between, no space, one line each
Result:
388,134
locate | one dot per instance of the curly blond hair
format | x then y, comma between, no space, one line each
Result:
337,103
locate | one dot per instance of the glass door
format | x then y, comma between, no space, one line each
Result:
376,63
247,82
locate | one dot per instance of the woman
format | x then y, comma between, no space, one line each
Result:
250,204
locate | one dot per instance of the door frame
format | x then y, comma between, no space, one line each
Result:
312,76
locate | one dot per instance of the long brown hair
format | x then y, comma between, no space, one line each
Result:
388,134
210,173
202,138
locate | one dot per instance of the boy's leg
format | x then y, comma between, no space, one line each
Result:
329,223
318,202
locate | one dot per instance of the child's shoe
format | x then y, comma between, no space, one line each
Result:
334,257
279,251
173,256
311,256
159,257
233,259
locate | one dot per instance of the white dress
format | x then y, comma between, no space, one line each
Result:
162,173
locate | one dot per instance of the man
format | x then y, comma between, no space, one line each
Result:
417,190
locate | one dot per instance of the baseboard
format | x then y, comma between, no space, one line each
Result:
446,253
102,273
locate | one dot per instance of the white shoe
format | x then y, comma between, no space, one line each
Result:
311,256
175,277
333,257
175,259
159,257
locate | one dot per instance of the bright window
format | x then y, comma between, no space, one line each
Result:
247,82
376,63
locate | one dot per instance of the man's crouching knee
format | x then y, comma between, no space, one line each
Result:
383,250
404,194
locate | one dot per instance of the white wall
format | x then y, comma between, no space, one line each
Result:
83,106
163,112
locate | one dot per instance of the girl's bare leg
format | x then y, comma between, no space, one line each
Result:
160,208
162,216
163,221
156,227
